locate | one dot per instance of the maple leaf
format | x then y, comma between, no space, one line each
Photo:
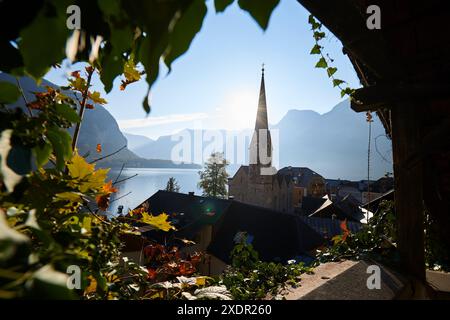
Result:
99,148
102,201
78,84
96,98
159,222
130,72
79,168
85,174
108,187
89,106
75,74
92,286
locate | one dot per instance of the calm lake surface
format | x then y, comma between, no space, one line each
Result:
147,182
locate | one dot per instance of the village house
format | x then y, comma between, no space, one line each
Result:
213,224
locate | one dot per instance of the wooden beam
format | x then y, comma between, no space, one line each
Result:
406,136
387,95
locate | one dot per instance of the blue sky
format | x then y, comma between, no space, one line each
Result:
215,85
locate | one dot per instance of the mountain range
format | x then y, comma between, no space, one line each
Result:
334,144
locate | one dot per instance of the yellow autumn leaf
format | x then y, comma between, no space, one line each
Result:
92,286
79,168
85,174
159,222
130,72
200,281
95,97
337,239
78,84
69,196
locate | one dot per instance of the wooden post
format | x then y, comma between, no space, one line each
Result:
406,138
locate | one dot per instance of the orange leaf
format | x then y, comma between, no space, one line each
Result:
99,148
345,231
108,187
89,106
75,74
102,201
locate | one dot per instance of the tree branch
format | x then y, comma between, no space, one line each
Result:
108,155
82,108
23,96
121,197
135,175
120,172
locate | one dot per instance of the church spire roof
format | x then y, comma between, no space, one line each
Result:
261,143
261,115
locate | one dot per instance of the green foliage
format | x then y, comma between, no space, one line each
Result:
250,278
437,253
125,28
49,216
172,185
376,240
214,177
221,5
325,61
9,93
259,10
38,49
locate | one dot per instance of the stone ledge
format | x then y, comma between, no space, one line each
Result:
346,280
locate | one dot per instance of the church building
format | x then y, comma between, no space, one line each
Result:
260,183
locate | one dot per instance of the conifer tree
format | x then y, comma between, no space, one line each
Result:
172,185
214,177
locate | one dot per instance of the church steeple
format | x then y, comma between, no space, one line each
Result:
261,115
261,144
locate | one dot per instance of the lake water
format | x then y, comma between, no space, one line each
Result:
147,182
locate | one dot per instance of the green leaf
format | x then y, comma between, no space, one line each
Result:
259,10
331,71
221,5
112,66
316,49
146,105
120,41
322,63
313,22
348,91
337,82
42,43
318,35
61,143
67,113
9,93
42,153
185,30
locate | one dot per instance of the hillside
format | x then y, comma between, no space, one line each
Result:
98,127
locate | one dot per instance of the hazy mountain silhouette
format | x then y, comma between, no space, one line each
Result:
334,144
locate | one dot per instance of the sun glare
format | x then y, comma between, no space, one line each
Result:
239,109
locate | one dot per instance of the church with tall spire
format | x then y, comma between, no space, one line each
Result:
260,183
